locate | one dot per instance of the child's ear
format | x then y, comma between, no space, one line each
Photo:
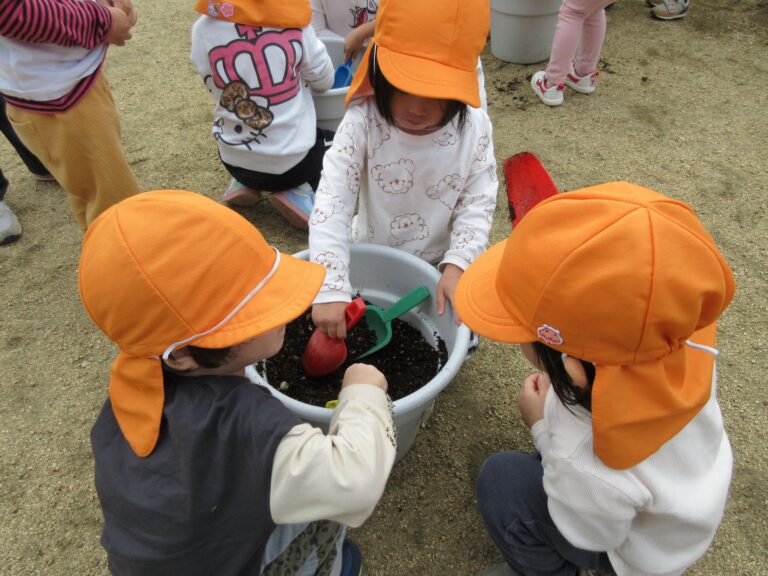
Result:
576,372
181,361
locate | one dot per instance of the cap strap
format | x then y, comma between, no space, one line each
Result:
375,50
713,351
228,317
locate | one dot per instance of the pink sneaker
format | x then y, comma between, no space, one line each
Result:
550,95
583,84
238,194
295,205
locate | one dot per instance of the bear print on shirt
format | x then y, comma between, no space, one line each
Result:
407,228
447,190
394,178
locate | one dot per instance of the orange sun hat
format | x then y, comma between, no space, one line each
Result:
428,48
270,13
621,276
164,269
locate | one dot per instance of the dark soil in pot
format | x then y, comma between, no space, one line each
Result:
408,361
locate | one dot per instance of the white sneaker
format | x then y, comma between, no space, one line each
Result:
10,229
582,84
552,95
670,9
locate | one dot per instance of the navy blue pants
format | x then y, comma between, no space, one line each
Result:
308,170
30,160
512,501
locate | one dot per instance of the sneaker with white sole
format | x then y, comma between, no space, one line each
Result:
583,84
552,95
295,204
670,9
238,194
10,229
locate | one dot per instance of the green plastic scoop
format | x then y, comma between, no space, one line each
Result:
379,321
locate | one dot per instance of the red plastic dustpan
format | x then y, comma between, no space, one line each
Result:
323,353
528,183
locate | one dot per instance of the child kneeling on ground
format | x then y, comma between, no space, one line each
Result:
412,164
613,292
198,470
260,61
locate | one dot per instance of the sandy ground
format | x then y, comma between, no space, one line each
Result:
680,108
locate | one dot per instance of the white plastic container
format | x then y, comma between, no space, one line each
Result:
522,30
329,105
382,275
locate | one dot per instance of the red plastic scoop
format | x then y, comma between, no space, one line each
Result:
323,353
528,183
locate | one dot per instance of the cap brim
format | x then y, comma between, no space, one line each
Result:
428,78
479,304
283,298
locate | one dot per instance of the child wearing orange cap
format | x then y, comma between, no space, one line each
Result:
260,61
413,153
198,470
613,293
354,20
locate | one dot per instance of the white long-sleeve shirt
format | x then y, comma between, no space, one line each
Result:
336,18
432,195
656,518
265,116
340,475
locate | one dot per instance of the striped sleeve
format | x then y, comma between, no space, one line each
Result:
67,23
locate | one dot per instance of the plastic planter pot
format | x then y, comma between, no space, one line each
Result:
382,275
329,105
522,30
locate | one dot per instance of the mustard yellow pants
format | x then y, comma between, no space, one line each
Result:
81,148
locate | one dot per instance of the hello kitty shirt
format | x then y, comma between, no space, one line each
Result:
258,76
432,195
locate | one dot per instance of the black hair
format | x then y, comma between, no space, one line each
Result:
209,357
551,361
383,92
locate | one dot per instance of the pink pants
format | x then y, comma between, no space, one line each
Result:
580,26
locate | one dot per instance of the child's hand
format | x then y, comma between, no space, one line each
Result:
329,318
446,288
120,32
353,43
532,395
364,374
127,7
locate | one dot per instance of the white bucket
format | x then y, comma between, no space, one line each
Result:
329,105
522,30
383,275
